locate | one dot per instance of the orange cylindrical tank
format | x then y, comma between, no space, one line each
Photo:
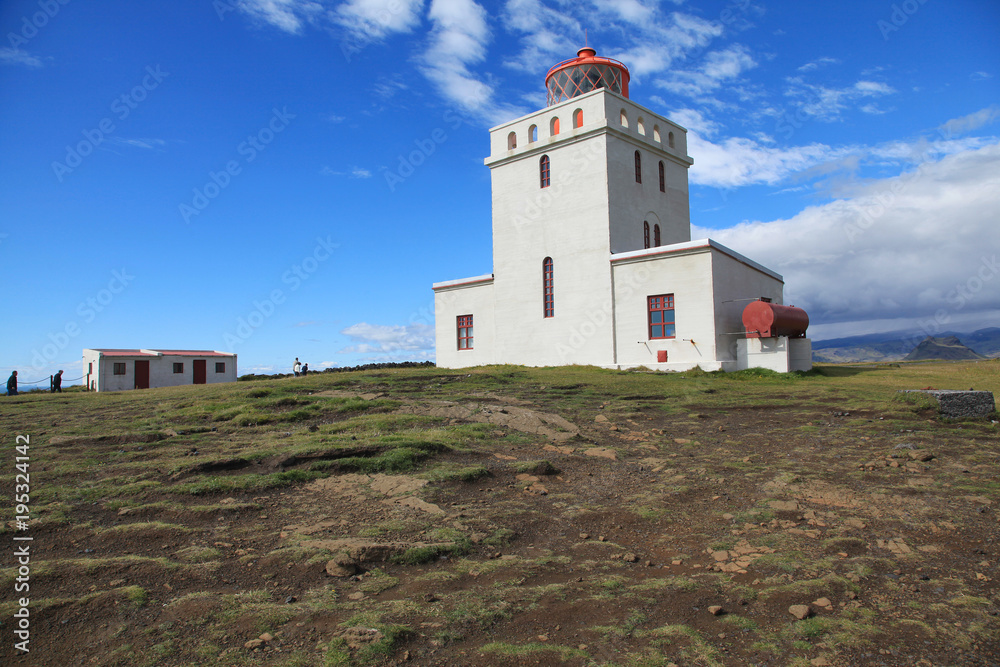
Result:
763,319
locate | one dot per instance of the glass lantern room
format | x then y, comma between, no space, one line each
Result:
587,72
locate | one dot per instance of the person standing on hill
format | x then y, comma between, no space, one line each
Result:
57,382
296,367
305,369
12,384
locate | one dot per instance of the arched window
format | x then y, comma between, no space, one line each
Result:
656,134
638,167
543,171
554,127
640,125
532,134
656,236
663,180
624,119
548,299
578,118
670,139
512,141
645,234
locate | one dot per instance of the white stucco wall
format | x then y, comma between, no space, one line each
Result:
567,221
781,354
473,296
687,274
737,280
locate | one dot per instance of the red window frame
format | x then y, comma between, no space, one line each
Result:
660,312
645,234
464,326
638,167
178,367
548,294
544,171
656,236
119,368
663,180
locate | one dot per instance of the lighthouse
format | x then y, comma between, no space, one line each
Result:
593,261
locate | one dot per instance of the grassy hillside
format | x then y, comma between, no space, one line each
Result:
507,516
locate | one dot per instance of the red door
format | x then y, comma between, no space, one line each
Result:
142,374
200,372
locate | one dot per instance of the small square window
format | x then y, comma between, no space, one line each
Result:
220,367
178,367
119,368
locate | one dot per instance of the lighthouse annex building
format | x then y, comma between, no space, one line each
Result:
593,261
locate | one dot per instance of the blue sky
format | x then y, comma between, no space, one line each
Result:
282,178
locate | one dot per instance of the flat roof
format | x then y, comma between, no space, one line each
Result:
133,352
647,254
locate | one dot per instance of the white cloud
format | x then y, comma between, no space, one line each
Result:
819,62
973,121
395,340
920,244
826,103
355,172
717,68
375,19
148,144
549,36
458,41
666,40
286,15
737,161
12,56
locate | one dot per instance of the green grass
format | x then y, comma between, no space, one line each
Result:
124,484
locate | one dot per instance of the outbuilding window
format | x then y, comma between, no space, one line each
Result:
465,332
543,171
548,296
220,367
119,368
178,367
661,316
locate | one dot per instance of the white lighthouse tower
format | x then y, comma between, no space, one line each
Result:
592,251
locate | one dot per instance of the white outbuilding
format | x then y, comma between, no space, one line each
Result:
592,251
118,370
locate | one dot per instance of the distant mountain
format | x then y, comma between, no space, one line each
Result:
896,345
949,348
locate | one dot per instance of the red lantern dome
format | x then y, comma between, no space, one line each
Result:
587,72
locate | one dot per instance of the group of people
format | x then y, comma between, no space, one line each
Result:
55,383
299,369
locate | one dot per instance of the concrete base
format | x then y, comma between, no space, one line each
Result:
782,354
956,404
